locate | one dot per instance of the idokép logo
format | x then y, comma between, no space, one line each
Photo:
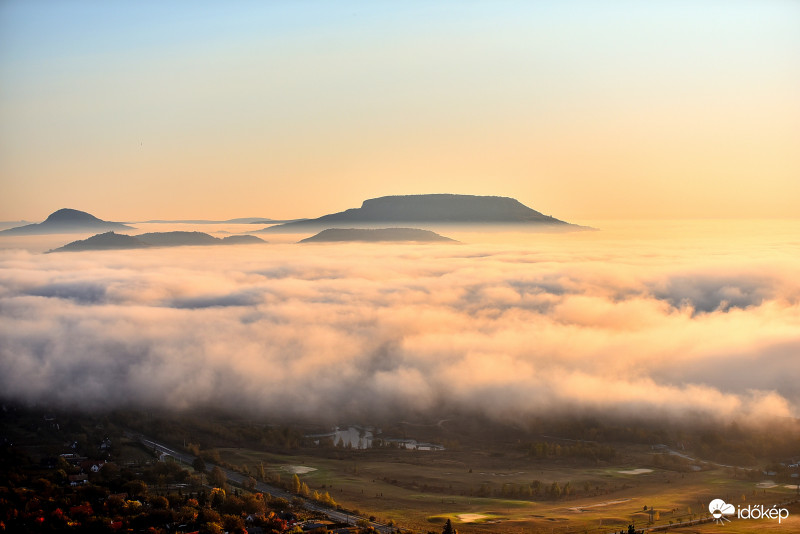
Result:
719,509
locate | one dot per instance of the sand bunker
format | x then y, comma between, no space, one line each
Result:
639,471
766,484
470,518
298,469
607,503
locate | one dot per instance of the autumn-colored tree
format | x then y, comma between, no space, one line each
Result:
254,503
136,488
217,477
261,474
233,505
326,499
207,515
233,523
217,497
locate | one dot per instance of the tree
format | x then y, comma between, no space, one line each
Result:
199,465
136,488
159,503
326,498
448,528
261,474
233,523
217,497
295,484
207,515
217,477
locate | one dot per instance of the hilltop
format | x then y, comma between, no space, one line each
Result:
439,209
106,241
239,220
114,241
67,221
402,235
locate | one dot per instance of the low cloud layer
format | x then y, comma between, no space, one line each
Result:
333,331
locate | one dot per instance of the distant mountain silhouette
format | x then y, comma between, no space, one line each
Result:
106,241
241,240
240,220
377,235
12,224
67,221
113,241
429,209
178,239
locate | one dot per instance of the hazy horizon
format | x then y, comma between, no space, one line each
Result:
171,218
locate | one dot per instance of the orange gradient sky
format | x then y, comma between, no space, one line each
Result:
135,110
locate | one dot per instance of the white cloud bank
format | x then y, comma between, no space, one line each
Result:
570,322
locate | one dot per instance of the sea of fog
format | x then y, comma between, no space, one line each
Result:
671,317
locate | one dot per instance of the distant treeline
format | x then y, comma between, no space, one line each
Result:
589,451
536,490
725,443
211,432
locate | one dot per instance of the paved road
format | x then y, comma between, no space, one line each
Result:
237,478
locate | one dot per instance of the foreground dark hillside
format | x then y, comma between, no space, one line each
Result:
88,473
105,482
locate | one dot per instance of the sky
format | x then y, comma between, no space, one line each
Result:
581,110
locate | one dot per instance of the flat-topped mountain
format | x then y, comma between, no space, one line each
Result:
67,221
114,241
402,235
429,209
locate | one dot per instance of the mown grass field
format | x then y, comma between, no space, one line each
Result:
421,489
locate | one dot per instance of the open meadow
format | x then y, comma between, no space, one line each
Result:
505,489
